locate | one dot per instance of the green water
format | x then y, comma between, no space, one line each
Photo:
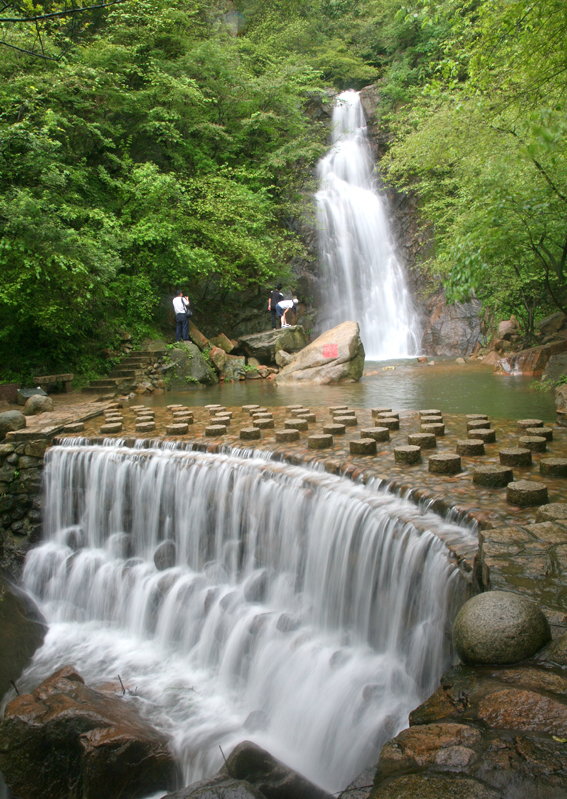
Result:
453,388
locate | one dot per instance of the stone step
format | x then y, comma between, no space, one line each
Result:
97,389
121,373
106,382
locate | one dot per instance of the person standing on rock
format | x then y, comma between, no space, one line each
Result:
275,297
181,306
283,307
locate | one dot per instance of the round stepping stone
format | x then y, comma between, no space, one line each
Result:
553,512
292,407
363,446
377,433
407,455
216,409
222,420
543,432
431,420
182,414
257,409
113,417
141,409
423,440
334,408
554,467
224,413
262,416
492,476
348,421
215,430
174,407
377,411
477,424
319,441
445,464
250,433
388,421
344,413
487,435
515,456
471,446
334,429
309,417
437,429
523,424
299,411
250,407
145,427
215,405
296,424
431,412
287,436
471,417
388,415
535,443
264,424
178,429
526,493
76,427
181,419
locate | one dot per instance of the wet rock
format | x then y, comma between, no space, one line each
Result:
288,623
552,512
526,493
445,464
527,711
234,368
499,627
287,436
9,421
250,433
363,446
189,366
264,346
256,721
22,630
434,787
321,441
223,342
65,739
37,404
218,357
492,476
515,456
165,555
283,358
75,538
555,651
256,587
452,329
552,324
407,455
554,467
221,786
336,356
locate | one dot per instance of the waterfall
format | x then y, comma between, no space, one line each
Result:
304,612
363,278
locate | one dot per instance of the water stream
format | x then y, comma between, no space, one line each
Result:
363,277
304,612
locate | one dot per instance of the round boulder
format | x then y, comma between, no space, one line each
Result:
11,420
165,555
37,403
499,627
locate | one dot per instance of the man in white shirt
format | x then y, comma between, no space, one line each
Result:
180,306
283,307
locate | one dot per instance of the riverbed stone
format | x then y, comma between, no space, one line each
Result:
523,424
337,356
287,436
9,421
515,456
535,443
407,455
470,447
216,430
437,429
296,424
334,429
178,429
554,467
377,433
492,476
499,627
526,493
165,555
487,435
319,441
423,440
250,433
447,463
363,446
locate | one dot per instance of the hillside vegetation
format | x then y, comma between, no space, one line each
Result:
148,145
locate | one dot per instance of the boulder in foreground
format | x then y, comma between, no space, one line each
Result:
337,356
22,630
264,346
67,740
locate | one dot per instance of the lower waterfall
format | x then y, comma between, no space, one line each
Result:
303,611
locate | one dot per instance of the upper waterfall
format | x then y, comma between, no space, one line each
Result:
363,278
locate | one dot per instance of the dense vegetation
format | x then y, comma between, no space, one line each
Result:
152,144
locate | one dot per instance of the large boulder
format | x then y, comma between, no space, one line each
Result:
264,346
499,627
223,342
508,328
22,630
556,367
552,324
11,420
67,740
37,404
189,366
452,329
218,356
234,368
337,356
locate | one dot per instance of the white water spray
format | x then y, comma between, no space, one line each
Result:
363,277
304,612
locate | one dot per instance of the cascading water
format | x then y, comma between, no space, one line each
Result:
304,612
363,278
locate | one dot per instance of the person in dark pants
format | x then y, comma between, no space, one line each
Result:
275,297
180,306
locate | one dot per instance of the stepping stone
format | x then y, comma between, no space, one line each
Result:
544,432
471,446
431,412
141,409
553,512
377,411
423,440
346,412
296,424
388,421
76,427
216,409
250,433
445,464
114,405
363,446
515,456
209,407
535,443
222,420
251,407
178,429
478,424
492,476
334,429
287,436
377,433
215,430
264,424
523,424
224,413
431,420
299,411
262,416
554,467
257,409
471,417
114,417
174,407
407,455
289,407
335,408
145,427
437,429
309,417
526,493
487,435
320,441
349,421
182,418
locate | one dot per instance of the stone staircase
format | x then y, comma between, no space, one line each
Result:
124,376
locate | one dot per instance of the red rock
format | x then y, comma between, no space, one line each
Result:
525,711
